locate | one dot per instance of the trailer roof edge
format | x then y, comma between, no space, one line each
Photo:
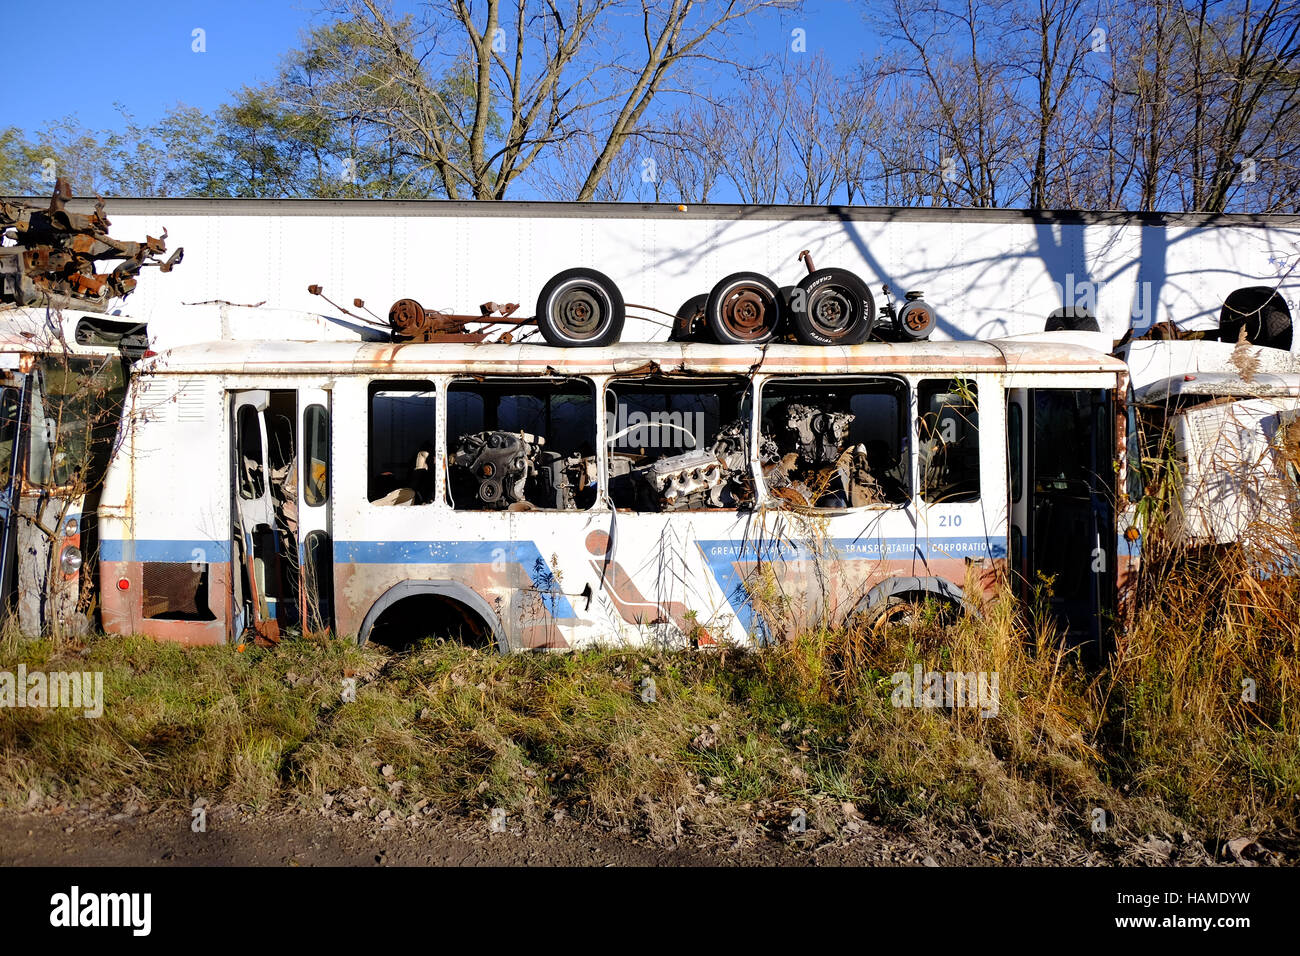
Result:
418,208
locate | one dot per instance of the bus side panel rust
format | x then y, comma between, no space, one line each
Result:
122,613
523,612
841,584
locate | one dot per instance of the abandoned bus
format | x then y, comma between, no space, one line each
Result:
62,381
533,497
1224,422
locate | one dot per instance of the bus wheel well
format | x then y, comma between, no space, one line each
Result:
1264,314
900,597
412,611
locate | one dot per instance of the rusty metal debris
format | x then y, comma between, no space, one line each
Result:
581,307
412,322
52,262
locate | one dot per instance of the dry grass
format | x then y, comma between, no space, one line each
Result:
1160,738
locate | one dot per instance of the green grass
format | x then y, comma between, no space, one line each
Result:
735,740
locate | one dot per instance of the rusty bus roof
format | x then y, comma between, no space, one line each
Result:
526,359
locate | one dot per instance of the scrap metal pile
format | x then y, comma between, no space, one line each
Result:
583,308
52,261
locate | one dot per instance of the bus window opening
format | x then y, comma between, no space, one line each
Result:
678,445
521,445
403,425
949,432
835,444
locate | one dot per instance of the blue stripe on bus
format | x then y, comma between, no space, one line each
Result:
723,555
369,552
720,555
174,551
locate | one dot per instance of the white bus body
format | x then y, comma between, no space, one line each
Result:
191,537
1232,414
987,273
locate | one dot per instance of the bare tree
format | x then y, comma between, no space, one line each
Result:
953,51
1243,79
547,72
565,170
862,143
693,142
753,121
1096,146
672,36
812,140
1057,45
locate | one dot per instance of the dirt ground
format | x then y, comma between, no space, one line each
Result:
303,839
81,837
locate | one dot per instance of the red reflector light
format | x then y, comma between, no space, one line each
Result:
1189,378
149,353
123,584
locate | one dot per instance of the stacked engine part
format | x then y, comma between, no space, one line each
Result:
815,467
682,477
817,435
500,470
712,478
52,262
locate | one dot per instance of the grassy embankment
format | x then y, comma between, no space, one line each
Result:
1161,738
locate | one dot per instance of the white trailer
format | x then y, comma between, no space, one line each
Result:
986,273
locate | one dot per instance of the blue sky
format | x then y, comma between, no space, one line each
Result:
140,55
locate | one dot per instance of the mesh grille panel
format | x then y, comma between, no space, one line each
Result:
175,591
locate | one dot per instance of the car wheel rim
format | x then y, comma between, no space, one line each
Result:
578,312
747,313
831,311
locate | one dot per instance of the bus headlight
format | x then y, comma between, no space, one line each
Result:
71,528
70,559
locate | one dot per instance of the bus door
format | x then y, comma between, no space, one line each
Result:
1017,470
12,388
1061,453
256,572
315,584
282,544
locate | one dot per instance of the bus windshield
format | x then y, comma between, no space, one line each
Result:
74,418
